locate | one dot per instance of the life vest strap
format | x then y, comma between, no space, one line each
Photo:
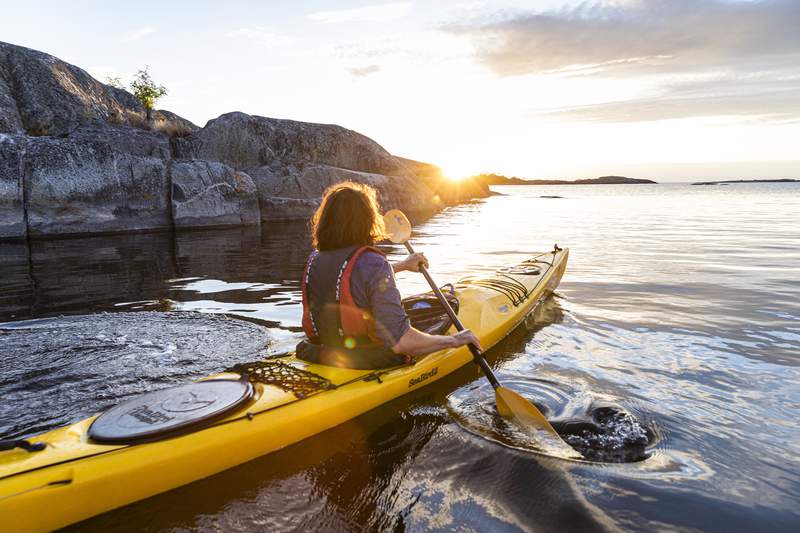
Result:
309,326
356,325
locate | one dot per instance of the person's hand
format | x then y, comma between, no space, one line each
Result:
413,261
466,337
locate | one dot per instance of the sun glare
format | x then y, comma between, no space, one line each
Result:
455,173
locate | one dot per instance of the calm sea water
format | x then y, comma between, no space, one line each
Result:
681,304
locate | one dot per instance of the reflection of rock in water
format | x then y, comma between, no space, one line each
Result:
80,274
59,370
15,281
274,252
55,276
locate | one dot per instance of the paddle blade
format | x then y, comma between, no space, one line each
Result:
398,228
514,407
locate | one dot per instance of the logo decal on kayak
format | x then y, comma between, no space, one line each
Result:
422,377
145,415
504,308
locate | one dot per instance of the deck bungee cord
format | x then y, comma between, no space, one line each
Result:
512,288
75,477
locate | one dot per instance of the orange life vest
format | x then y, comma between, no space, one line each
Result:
339,322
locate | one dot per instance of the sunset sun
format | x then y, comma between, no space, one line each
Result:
457,171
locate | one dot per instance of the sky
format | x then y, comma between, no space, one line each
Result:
672,90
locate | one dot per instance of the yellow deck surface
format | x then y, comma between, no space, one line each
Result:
73,479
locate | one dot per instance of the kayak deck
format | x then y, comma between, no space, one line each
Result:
74,478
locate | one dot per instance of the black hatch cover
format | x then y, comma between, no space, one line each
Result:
165,413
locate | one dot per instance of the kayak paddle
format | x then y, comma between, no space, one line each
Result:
509,404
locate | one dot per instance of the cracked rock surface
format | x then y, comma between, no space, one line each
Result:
78,156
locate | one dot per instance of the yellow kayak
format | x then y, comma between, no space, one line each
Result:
70,474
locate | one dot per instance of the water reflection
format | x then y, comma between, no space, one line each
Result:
59,370
137,271
403,466
680,304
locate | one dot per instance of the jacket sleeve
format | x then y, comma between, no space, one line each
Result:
383,301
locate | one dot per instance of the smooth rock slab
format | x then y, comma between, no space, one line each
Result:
86,187
212,194
293,192
10,121
12,212
126,139
245,141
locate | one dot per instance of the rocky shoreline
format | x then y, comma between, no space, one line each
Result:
78,156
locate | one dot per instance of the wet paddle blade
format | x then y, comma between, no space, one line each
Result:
514,407
509,404
398,228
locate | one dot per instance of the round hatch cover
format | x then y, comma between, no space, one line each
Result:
166,412
522,270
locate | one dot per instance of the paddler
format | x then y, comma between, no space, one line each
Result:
352,313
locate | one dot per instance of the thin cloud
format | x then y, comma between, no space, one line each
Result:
638,34
362,72
136,34
261,36
701,58
765,104
376,13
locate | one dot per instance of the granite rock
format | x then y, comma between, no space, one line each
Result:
75,187
43,96
293,192
212,194
12,212
79,156
244,141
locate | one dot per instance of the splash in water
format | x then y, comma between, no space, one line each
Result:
607,434
599,432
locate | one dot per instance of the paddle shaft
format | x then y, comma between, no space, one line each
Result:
476,354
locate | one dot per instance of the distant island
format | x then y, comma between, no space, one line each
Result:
725,182
499,179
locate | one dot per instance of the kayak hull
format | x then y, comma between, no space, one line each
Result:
74,478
